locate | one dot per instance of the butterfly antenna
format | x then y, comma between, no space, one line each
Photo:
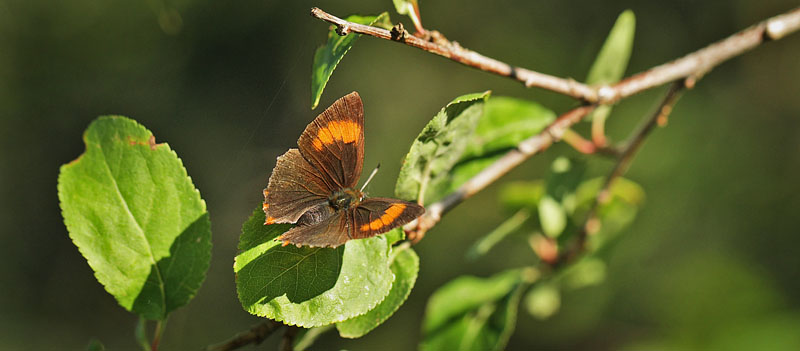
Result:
370,176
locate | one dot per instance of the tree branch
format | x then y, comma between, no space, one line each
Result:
454,51
255,336
694,66
688,70
690,67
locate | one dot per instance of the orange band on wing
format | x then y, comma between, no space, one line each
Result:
270,220
344,131
386,219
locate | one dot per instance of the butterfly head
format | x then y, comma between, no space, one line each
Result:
345,198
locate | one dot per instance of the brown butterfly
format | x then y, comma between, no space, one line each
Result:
314,186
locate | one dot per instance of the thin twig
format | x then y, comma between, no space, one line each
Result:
455,52
628,152
255,336
579,143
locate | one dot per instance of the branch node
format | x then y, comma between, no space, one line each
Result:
690,82
399,33
606,94
343,29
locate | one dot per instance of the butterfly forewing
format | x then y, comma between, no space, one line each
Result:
294,187
334,142
378,215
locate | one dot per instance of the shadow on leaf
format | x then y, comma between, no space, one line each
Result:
174,279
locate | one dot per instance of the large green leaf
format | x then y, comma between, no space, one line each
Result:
405,266
329,55
472,313
506,121
306,286
612,60
136,217
438,147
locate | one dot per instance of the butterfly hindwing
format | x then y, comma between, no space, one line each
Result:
378,215
330,232
294,187
334,142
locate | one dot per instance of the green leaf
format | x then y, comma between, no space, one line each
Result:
614,215
405,266
564,177
308,287
623,189
395,235
466,169
410,9
438,147
487,242
404,7
466,293
472,313
522,194
586,272
543,301
329,55
505,123
552,216
610,64
612,60
136,217
559,200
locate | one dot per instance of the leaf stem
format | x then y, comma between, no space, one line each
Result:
141,334
579,143
159,331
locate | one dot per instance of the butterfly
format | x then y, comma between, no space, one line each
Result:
313,186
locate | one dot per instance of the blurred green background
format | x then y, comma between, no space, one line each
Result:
711,262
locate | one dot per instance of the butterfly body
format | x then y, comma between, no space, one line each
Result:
314,186
339,201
